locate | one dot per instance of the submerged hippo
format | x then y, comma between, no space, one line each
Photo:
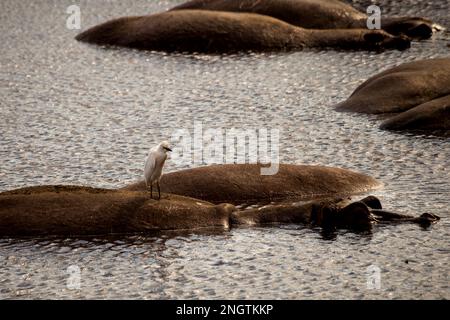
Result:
243,183
76,210
316,14
419,91
431,115
223,32
332,213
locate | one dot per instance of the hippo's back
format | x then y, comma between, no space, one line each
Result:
196,31
244,183
312,14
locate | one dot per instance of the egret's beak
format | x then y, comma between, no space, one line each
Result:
168,149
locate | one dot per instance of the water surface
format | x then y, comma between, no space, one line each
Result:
72,113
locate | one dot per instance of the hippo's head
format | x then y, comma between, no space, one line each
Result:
355,216
356,39
426,219
415,28
324,216
379,40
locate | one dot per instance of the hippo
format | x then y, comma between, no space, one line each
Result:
85,211
243,183
417,92
78,210
316,14
431,115
224,32
329,214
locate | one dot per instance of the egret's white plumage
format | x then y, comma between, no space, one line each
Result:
154,165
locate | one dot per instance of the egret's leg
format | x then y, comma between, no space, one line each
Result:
151,190
159,189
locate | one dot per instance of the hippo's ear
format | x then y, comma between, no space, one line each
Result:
374,37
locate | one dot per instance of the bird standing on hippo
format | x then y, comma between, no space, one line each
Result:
154,165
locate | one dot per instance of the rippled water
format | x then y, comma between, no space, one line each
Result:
78,114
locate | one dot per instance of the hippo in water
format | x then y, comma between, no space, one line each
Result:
431,115
243,183
316,14
417,93
77,210
224,32
312,195
329,214
187,201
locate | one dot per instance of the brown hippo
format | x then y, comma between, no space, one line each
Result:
243,183
431,115
419,91
224,32
316,14
74,210
331,213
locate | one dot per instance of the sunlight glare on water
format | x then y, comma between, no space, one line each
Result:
72,113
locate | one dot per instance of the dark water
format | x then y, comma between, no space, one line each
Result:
78,114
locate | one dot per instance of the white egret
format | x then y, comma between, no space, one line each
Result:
154,165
